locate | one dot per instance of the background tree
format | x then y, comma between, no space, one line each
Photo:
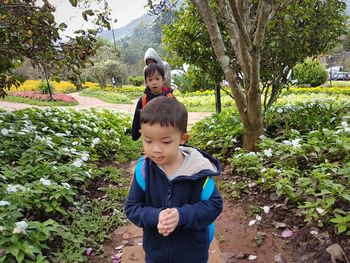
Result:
28,30
106,65
243,38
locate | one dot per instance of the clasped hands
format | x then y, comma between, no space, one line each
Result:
168,220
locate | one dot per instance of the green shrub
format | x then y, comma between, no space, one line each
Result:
310,72
194,79
305,117
136,80
44,87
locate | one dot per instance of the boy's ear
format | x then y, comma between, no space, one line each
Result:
185,137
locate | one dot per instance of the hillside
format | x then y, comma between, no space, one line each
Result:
129,28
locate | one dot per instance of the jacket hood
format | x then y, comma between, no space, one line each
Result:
200,161
152,54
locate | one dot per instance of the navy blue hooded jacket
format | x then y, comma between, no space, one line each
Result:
136,124
189,242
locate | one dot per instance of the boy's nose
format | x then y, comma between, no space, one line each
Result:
156,148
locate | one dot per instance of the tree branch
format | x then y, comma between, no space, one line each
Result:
220,51
242,29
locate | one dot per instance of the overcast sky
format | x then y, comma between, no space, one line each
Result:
123,10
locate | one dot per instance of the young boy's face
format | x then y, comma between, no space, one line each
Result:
155,83
161,143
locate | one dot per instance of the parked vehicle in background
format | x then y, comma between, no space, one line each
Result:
340,75
335,69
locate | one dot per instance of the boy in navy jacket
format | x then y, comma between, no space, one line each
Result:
170,210
154,79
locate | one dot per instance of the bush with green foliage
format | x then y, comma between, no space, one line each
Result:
136,80
44,87
192,80
304,156
50,169
310,72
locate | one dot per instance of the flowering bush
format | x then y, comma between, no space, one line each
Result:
61,87
43,97
47,158
304,155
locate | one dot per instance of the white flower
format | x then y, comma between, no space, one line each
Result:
320,210
66,185
22,224
344,124
84,157
45,181
75,143
250,154
4,131
287,142
2,228
14,188
3,203
96,141
21,227
295,143
268,152
209,142
279,110
78,163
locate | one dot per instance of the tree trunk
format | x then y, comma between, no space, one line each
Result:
252,129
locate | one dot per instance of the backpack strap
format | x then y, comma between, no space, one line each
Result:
140,173
207,190
144,100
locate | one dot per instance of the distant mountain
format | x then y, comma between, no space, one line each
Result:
127,30
146,20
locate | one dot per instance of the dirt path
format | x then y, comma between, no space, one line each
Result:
88,102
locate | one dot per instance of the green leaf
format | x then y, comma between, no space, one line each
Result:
73,2
341,228
13,249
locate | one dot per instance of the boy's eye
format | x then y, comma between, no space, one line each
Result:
167,142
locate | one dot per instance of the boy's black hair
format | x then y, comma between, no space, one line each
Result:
166,111
152,68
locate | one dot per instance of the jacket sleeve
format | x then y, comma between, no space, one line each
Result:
201,214
167,74
136,122
136,210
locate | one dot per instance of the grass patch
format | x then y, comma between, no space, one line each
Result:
113,95
38,102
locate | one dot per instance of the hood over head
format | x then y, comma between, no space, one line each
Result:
152,54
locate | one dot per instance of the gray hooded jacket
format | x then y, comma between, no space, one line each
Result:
152,54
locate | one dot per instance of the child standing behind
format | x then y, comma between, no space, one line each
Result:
154,79
151,56
169,206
